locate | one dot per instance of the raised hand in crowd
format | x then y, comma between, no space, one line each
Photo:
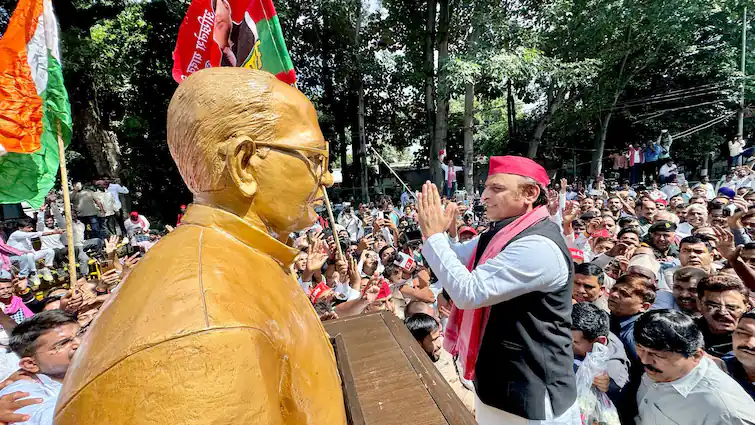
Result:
128,265
72,302
731,253
366,243
317,255
110,278
355,278
564,183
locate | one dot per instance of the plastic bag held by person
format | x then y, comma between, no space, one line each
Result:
595,406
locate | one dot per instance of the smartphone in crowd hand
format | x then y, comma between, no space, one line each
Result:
367,230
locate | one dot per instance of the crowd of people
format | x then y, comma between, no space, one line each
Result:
43,316
662,277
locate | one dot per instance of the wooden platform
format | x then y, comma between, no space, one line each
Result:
388,379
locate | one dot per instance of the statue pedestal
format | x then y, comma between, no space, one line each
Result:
387,378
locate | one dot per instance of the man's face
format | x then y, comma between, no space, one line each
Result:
586,288
581,345
717,218
623,303
696,217
705,179
432,344
743,341
379,244
614,205
665,366
587,204
699,191
55,348
387,254
466,236
610,224
502,197
662,240
722,310
301,261
6,290
647,211
699,201
748,256
603,246
685,294
695,255
630,239
49,222
675,201
749,224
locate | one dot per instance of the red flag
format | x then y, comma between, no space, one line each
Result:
244,33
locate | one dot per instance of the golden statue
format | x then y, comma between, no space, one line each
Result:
210,328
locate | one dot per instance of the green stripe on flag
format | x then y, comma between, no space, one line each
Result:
29,177
275,58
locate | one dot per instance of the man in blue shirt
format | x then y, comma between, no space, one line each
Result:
45,343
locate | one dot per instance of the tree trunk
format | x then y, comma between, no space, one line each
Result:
441,110
554,102
102,144
362,138
345,172
510,112
327,107
429,67
468,139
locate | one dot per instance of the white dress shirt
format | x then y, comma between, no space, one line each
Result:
115,190
705,396
48,390
530,264
22,240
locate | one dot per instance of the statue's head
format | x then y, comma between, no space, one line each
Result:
249,144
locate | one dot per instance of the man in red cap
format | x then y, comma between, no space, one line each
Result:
511,290
136,224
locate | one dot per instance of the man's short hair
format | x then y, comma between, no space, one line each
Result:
624,221
590,319
696,239
415,306
695,207
421,325
668,330
23,339
638,285
629,230
590,269
722,283
23,223
689,274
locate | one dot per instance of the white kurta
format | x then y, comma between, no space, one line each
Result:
530,264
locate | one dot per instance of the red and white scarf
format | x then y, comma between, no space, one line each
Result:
465,328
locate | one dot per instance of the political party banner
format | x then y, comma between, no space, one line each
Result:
244,33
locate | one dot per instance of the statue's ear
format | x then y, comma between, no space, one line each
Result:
240,152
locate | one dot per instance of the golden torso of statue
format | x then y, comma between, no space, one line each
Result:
208,329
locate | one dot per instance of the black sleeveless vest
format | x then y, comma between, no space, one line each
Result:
526,349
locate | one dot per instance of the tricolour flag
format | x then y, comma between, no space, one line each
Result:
243,33
33,104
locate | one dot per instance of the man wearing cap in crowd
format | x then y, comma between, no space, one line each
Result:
511,290
136,224
661,238
466,233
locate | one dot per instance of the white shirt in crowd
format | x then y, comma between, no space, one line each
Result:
736,147
107,202
46,389
667,171
671,190
450,176
115,189
22,240
140,226
705,396
51,241
710,191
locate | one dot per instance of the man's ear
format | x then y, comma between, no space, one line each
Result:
602,339
240,152
28,364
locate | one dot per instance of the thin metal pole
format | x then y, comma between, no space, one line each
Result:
394,173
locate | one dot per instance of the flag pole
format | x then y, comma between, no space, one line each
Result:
336,239
67,209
